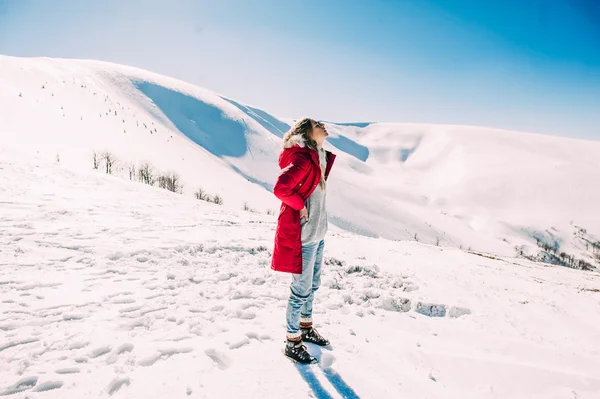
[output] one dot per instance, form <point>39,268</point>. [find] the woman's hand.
<point>304,214</point>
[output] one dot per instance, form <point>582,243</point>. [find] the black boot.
<point>311,335</point>
<point>296,351</point>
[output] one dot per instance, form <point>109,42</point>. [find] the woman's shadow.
<point>308,374</point>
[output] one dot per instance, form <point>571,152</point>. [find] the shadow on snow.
<point>272,124</point>
<point>205,124</point>
<point>308,374</point>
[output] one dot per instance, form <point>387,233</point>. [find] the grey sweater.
<point>314,230</point>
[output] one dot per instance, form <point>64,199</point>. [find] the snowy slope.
<point>111,288</point>
<point>467,187</point>
<point>482,188</point>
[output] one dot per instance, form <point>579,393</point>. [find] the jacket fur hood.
<point>290,140</point>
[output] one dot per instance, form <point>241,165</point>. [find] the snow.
<point>474,187</point>
<point>109,287</point>
<point>114,288</point>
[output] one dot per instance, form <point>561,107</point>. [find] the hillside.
<point>475,188</point>
<point>112,288</point>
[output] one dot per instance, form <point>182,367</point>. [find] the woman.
<point>301,228</point>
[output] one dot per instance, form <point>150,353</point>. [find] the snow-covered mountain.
<point>485,189</point>
<point>112,288</point>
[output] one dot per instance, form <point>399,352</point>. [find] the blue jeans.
<point>303,287</point>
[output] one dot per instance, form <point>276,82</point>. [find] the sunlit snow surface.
<point>478,188</point>
<point>111,287</point>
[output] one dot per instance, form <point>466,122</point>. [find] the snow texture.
<point>109,287</point>
<point>182,302</point>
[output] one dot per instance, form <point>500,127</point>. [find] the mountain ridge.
<point>461,186</point>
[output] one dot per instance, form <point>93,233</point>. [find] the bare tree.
<point>201,195</point>
<point>118,170</point>
<point>170,181</point>
<point>95,160</point>
<point>132,174</point>
<point>583,265</point>
<point>162,181</point>
<point>217,199</point>
<point>146,174</point>
<point>109,160</point>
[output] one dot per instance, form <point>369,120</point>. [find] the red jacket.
<point>300,175</point>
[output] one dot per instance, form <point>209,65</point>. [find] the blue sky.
<point>530,65</point>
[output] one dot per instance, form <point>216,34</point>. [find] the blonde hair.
<point>300,134</point>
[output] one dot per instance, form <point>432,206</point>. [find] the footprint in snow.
<point>17,343</point>
<point>238,344</point>
<point>253,335</point>
<point>124,348</point>
<point>259,338</point>
<point>117,384</point>
<point>244,315</point>
<point>103,350</point>
<point>78,345</point>
<point>162,355</point>
<point>114,356</point>
<point>120,294</point>
<point>221,360</point>
<point>73,317</point>
<point>258,281</point>
<point>123,301</point>
<point>48,386</point>
<point>22,385</point>
<point>130,309</point>
<point>70,370</point>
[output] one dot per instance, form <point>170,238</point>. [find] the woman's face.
<point>319,133</point>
